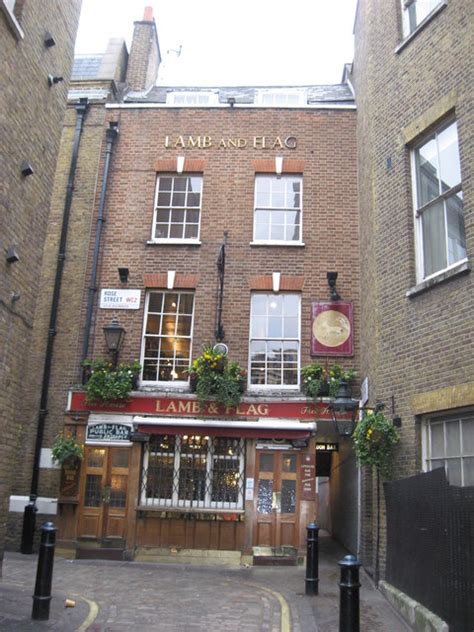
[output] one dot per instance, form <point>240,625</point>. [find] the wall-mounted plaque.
<point>332,328</point>
<point>119,299</point>
<point>108,432</point>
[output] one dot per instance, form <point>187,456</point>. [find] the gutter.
<point>111,134</point>
<point>30,509</point>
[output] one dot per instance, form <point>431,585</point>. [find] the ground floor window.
<point>449,443</point>
<point>193,471</point>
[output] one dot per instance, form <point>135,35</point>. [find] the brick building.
<point>37,44</point>
<point>168,182</point>
<point>412,76</point>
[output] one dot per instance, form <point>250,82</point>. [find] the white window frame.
<point>8,9</point>
<point>428,423</point>
<point>419,210</point>
<point>274,387</point>
<point>163,383</point>
<point>185,208</point>
<point>410,22</point>
<point>280,98</point>
<point>207,503</point>
<point>274,209</point>
<point>192,99</point>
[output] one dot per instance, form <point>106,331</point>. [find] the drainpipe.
<point>30,509</point>
<point>111,134</point>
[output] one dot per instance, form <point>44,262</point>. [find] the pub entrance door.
<point>103,495</point>
<point>277,499</point>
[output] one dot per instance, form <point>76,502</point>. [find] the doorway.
<point>277,499</point>
<point>103,495</point>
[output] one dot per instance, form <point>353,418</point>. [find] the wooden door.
<point>103,499</point>
<point>277,499</point>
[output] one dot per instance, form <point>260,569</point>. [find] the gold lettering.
<point>158,406</point>
<point>196,408</point>
<point>290,142</point>
<point>184,407</point>
<point>277,144</point>
<point>252,409</point>
<point>171,407</point>
<point>212,409</point>
<point>180,142</point>
<point>222,144</point>
<point>239,411</point>
<point>232,142</point>
<point>262,409</point>
<point>259,142</point>
<point>241,143</point>
<point>167,142</point>
<point>206,142</point>
<point>194,142</point>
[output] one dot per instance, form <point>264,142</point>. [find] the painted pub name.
<point>193,407</point>
<point>206,142</point>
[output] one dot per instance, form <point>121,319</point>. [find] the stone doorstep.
<point>417,616</point>
<point>188,556</point>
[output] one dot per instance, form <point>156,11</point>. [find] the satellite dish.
<point>221,348</point>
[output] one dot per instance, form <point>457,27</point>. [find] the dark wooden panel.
<point>202,535</point>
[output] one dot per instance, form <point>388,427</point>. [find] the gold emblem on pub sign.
<point>331,328</point>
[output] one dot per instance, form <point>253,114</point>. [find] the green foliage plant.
<point>108,385</point>
<point>66,448</point>
<point>217,379</point>
<point>315,376</point>
<point>374,439</point>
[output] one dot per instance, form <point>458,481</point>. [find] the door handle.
<point>106,495</point>
<point>276,501</point>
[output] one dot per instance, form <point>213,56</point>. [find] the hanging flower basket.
<point>213,378</point>
<point>374,439</point>
<point>107,385</point>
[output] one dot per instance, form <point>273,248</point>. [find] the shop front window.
<point>193,471</point>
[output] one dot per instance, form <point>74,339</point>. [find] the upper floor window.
<point>190,99</point>
<point>166,346</point>
<point>275,340</point>
<point>414,12</point>
<point>280,98</point>
<point>177,207</point>
<point>278,206</point>
<point>439,213</point>
<point>449,443</point>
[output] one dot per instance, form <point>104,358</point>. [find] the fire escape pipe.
<point>111,135</point>
<point>30,509</point>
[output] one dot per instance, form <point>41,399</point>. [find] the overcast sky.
<point>240,42</point>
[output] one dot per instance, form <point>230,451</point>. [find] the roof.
<point>246,95</point>
<point>86,67</point>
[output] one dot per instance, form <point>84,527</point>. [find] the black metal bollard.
<point>312,571</point>
<point>44,573</point>
<point>29,523</point>
<point>349,602</point>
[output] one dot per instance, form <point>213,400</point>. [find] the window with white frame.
<point>281,98</point>
<point>193,471</point>
<point>415,11</point>
<point>190,99</point>
<point>177,207</point>
<point>278,209</point>
<point>274,340</point>
<point>449,443</point>
<point>166,346</point>
<point>439,211</point>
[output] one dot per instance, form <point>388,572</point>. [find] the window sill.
<point>292,244</point>
<point>421,26</point>
<point>12,21</point>
<point>461,268</point>
<point>187,510</point>
<point>174,242</point>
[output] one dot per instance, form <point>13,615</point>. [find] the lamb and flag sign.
<point>332,328</point>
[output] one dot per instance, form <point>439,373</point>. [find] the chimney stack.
<point>145,58</point>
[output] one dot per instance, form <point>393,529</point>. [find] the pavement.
<point>130,596</point>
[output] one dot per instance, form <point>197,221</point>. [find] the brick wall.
<point>31,120</point>
<point>419,344</point>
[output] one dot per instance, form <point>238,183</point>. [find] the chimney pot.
<point>148,14</point>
